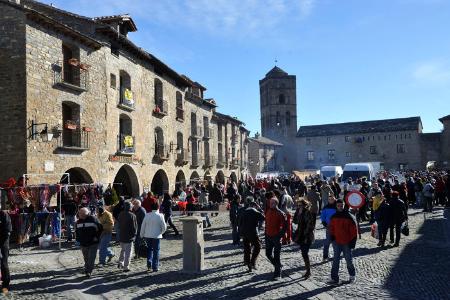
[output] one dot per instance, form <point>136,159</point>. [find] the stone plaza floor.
<point>418,269</point>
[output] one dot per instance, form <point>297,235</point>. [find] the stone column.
<point>193,245</point>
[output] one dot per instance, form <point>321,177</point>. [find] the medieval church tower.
<point>278,104</point>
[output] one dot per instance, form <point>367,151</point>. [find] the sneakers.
<point>351,279</point>
<point>88,275</point>
<point>110,257</point>
<point>395,245</point>
<point>126,270</point>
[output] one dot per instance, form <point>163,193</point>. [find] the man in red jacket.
<point>343,231</point>
<point>276,224</point>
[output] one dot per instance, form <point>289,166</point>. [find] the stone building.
<point>263,155</point>
<point>394,143</point>
<point>116,112</point>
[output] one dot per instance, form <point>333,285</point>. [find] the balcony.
<point>208,133</point>
<point>195,160</point>
<point>234,163</point>
<point>234,139</point>
<point>74,140</point>
<point>180,114</point>
<point>209,161</point>
<point>75,79</point>
<point>161,109</point>
<point>126,99</point>
<point>196,131</point>
<point>182,158</point>
<point>161,153</point>
<point>126,144</point>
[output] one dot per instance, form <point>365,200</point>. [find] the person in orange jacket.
<point>276,225</point>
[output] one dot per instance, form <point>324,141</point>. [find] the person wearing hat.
<point>127,234</point>
<point>106,220</point>
<point>343,233</point>
<point>88,231</point>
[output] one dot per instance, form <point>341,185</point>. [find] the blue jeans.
<point>153,253</point>
<point>345,249</point>
<point>104,249</point>
<point>326,243</point>
<point>70,223</point>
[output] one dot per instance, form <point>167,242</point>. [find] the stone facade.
<point>264,155</point>
<point>118,114</point>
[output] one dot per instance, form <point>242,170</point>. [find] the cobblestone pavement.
<point>418,269</point>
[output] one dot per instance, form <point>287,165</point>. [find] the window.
<point>348,154</point>
<point>71,57</point>
<point>126,95</point>
<point>401,148</point>
<point>331,154</point>
<point>281,99</point>
<point>288,118</point>
<point>347,139</point>
<point>410,135</point>
<point>114,49</point>
<point>112,81</point>
<point>310,155</point>
<point>308,141</point>
<point>179,106</point>
<point>159,93</point>
<point>328,141</point>
<point>373,149</point>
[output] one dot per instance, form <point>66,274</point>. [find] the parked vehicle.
<point>327,172</point>
<point>358,170</point>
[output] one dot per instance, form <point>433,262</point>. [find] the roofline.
<point>418,119</point>
<point>229,118</point>
<point>273,143</point>
<point>444,119</point>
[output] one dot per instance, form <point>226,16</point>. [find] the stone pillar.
<point>193,245</point>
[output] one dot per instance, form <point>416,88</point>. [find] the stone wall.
<point>430,147</point>
<point>13,133</point>
<point>445,144</point>
<point>357,148</point>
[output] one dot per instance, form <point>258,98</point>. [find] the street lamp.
<point>45,134</point>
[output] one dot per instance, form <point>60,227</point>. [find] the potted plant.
<point>71,125</point>
<point>87,129</point>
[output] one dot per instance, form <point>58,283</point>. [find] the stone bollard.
<point>193,245</point>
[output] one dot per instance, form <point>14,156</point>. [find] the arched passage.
<point>76,176</point>
<point>233,177</point>
<point>220,177</point>
<point>194,177</point>
<point>180,179</point>
<point>126,182</point>
<point>160,183</point>
<point>207,176</point>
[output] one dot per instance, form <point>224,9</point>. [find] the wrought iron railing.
<point>72,77</point>
<point>180,113</point>
<point>75,139</point>
<point>162,152</point>
<point>161,108</point>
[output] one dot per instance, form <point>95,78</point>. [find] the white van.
<point>358,170</point>
<point>327,172</point>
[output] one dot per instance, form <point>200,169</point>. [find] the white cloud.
<point>435,72</point>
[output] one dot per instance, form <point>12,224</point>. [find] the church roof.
<point>399,124</point>
<point>276,72</point>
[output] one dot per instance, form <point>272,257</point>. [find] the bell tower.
<point>278,106</point>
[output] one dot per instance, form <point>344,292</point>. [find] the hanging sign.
<point>355,199</point>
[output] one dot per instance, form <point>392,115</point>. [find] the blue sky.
<point>354,59</point>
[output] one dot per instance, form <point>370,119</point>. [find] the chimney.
<point>257,135</point>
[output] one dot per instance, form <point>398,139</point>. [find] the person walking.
<point>127,234</point>
<point>248,228</point>
<point>70,211</point>
<point>304,235</point>
<point>140,212</point>
<point>88,232</point>
<point>428,191</point>
<point>152,230</point>
<point>327,212</point>
<point>166,207</point>
<point>398,216</point>
<point>106,220</point>
<point>325,192</point>
<point>118,208</point>
<point>5,231</point>
<point>235,205</point>
<point>343,233</point>
<point>276,225</point>
<point>313,198</point>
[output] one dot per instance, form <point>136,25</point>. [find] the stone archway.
<point>126,182</point>
<point>207,176</point>
<point>220,177</point>
<point>160,183</point>
<point>76,176</point>
<point>233,177</point>
<point>180,179</point>
<point>194,177</point>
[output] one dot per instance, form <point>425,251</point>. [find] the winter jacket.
<point>343,228</point>
<point>327,212</point>
<point>153,226</point>
<point>428,190</point>
<point>306,222</point>
<point>107,221</point>
<point>88,231</point>
<point>326,192</point>
<point>166,206</point>
<point>314,198</point>
<point>140,215</point>
<point>5,227</point>
<point>118,208</point>
<point>248,222</point>
<point>128,227</point>
<point>276,223</point>
<point>398,210</point>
